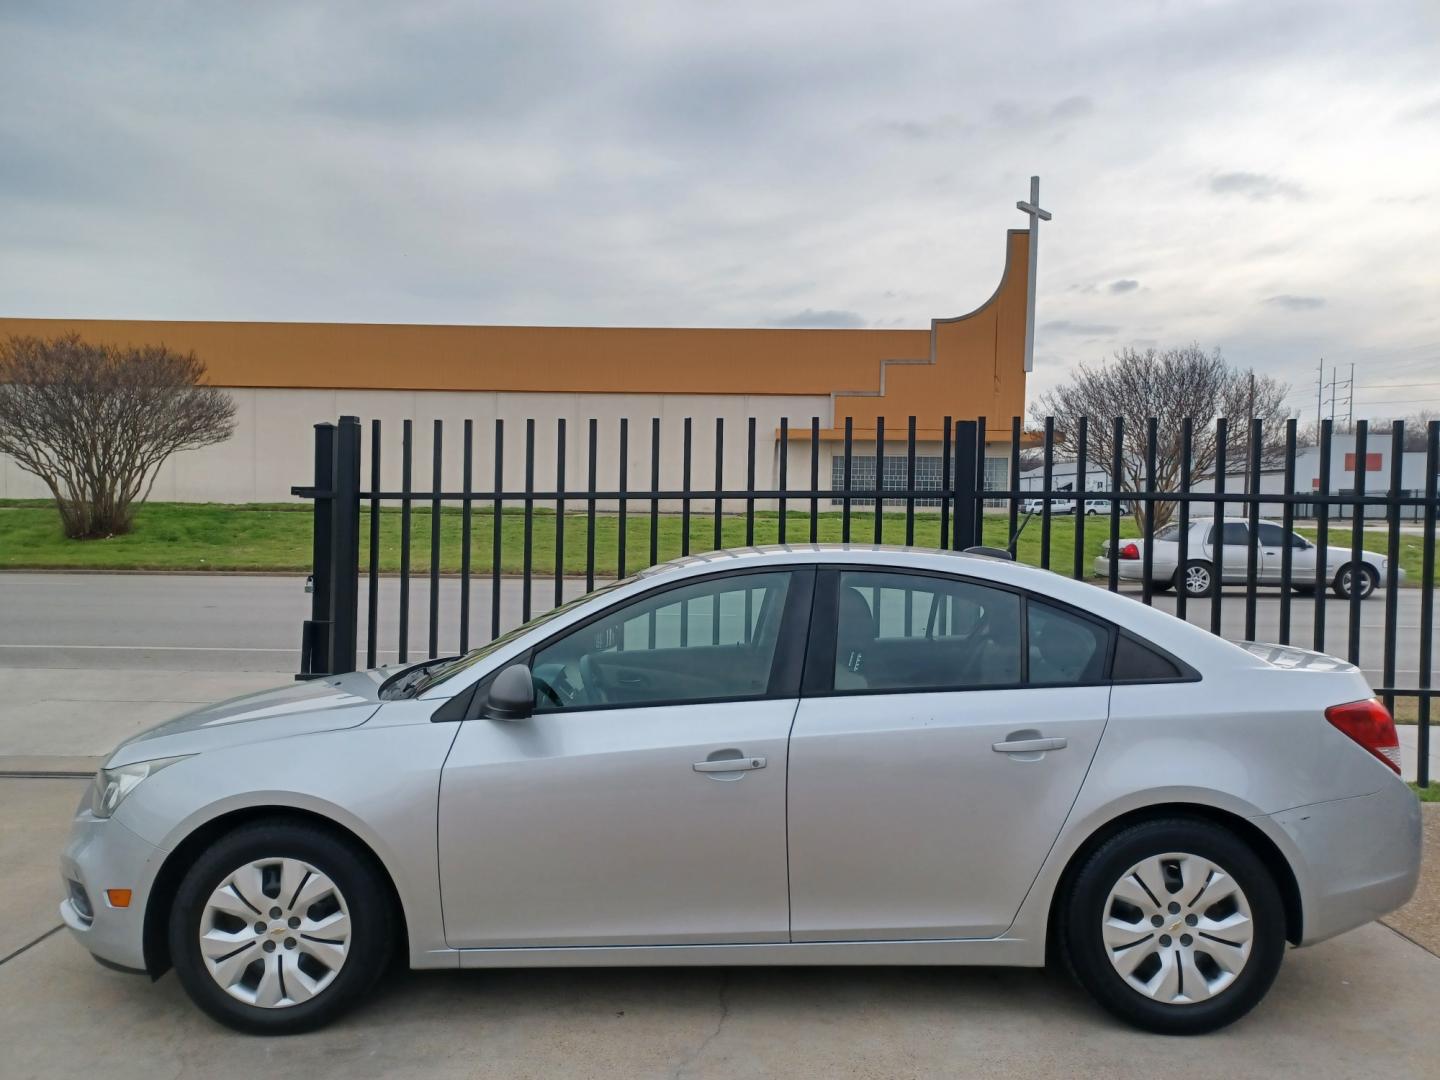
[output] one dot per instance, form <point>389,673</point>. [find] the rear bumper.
<point>102,854</point>
<point>1357,859</point>
<point>1125,569</point>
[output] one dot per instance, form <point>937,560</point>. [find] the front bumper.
<point>103,854</point>
<point>1358,859</point>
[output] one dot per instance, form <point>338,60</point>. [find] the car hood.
<point>298,709</point>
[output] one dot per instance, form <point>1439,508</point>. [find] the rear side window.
<point>1135,662</point>
<point>1064,648</point>
<point>1236,532</point>
<point>919,632</point>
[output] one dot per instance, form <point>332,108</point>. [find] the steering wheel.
<point>544,689</point>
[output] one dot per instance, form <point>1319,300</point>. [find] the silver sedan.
<point>1201,566</point>
<point>809,755</point>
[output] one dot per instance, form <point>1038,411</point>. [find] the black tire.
<point>1183,577</point>
<point>1303,590</point>
<point>1369,580</point>
<point>1083,909</point>
<point>354,874</point>
<point>1164,585</point>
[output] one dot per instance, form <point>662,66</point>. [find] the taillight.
<point>1370,724</point>
<point>1130,551</point>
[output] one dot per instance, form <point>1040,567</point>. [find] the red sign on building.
<point>1372,462</point>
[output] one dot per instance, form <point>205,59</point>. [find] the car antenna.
<point>1016,537</point>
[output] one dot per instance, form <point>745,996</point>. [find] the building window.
<point>929,471</point>
<point>997,477</point>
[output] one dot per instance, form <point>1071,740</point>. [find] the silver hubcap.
<point>1177,928</point>
<point>275,933</point>
<point>1197,579</point>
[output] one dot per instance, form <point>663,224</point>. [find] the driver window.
<point>712,640</point>
<point>1271,536</point>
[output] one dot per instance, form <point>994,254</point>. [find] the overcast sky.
<point>1259,176</point>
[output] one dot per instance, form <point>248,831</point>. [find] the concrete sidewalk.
<point>49,713</point>
<point>1360,1005</point>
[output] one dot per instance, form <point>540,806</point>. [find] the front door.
<point>934,761</point>
<point>644,802</point>
<point>1273,542</point>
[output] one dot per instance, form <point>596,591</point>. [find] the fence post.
<point>315,633</point>
<point>967,521</point>
<point>344,598</point>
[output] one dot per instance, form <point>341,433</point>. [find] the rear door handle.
<point>1029,746</point>
<point>740,764</point>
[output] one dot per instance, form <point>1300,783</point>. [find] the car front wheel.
<point>279,927</point>
<point>1346,580</point>
<point>1174,926</point>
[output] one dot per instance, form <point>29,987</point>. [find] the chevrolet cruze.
<point>807,755</point>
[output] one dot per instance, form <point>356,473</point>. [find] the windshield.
<point>449,670</point>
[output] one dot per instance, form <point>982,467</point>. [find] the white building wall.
<point>272,448</point>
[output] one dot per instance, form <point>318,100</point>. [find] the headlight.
<point>112,785</point>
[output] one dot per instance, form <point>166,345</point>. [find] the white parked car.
<point>1057,506</point>
<point>1198,574</point>
<point>802,755</point>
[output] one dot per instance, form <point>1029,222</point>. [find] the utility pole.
<point>1350,400</point>
<point>1249,430</point>
<point>1320,398</point>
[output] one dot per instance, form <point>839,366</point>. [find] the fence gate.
<point>490,546</point>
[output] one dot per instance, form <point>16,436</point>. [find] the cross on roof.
<point>1037,215</point>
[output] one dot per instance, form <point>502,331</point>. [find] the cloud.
<point>1124,285</point>
<point>829,320</point>
<point>559,162</point>
<point>1016,114</point>
<point>1295,303</point>
<point>1256,186</point>
<point>1422,113</point>
<point>1005,115</point>
<point>1080,329</point>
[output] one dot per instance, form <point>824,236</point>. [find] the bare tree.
<point>1169,385</point>
<point>95,422</point>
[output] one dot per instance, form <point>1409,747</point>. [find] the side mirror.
<point>512,695</point>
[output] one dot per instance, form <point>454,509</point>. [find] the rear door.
<point>939,744</point>
<point>1233,549</point>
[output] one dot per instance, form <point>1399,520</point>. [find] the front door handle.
<point>734,764</point>
<point>1029,746</point>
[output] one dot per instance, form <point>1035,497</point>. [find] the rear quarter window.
<point>1137,662</point>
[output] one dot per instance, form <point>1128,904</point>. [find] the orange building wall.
<point>965,367</point>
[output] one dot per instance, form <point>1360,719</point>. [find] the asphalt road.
<point>241,623</point>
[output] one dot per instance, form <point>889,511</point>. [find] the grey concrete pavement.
<point>1357,1006</point>
<point>34,820</point>
<point>1360,1005</point>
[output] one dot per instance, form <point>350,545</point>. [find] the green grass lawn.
<point>211,536</point>
<point>1427,794</point>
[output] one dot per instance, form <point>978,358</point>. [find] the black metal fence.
<point>538,531</point>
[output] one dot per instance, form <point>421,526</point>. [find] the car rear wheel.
<point>1303,590</point>
<point>1345,580</point>
<point>279,927</point>
<point>1196,578</point>
<point>1174,926</point>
